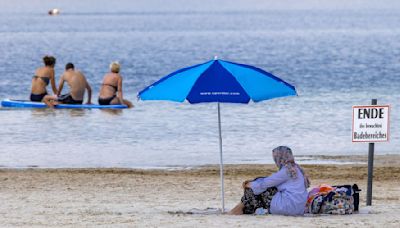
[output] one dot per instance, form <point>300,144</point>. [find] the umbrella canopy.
<point>218,81</point>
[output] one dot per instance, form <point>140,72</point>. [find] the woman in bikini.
<point>111,89</point>
<point>43,76</point>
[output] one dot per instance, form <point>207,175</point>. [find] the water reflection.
<point>77,112</point>
<point>49,112</point>
<point>43,112</point>
<point>112,112</point>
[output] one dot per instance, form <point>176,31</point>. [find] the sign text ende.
<point>370,113</point>
<point>370,123</point>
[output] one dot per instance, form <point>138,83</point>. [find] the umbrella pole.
<point>221,165</point>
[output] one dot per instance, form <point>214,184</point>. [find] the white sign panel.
<point>371,123</point>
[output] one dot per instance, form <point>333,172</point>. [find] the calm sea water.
<point>337,55</point>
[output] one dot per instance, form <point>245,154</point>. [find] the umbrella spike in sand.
<point>218,81</point>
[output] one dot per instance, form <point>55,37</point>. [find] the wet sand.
<point>145,198</point>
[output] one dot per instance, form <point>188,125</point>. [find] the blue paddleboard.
<point>29,104</point>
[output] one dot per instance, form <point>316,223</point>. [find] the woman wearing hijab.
<point>283,193</point>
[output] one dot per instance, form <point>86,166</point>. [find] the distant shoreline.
<point>306,160</point>
<point>386,167</point>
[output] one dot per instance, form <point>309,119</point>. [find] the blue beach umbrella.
<point>218,81</point>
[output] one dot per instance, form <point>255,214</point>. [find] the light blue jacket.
<point>292,194</point>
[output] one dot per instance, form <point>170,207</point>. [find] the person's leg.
<point>265,198</point>
<point>237,210</point>
<point>247,205</point>
<point>128,103</point>
<point>50,100</point>
<point>115,101</point>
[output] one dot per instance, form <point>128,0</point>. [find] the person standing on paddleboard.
<point>77,84</point>
<point>43,76</point>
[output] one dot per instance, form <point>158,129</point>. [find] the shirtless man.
<point>77,84</point>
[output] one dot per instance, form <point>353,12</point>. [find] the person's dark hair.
<point>49,60</point>
<point>69,66</point>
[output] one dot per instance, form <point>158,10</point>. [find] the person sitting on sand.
<point>43,76</point>
<point>283,193</point>
<point>111,89</point>
<point>77,84</point>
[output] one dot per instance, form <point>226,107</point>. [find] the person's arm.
<point>261,184</point>
<point>60,85</point>
<point>89,90</point>
<point>120,94</point>
<point>53,82</point>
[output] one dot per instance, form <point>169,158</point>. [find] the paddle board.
<point>29,104</point>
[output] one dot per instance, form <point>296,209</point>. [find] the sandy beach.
<point>154,198</point>
<point>209,81</point>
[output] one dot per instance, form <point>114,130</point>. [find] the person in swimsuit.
<point>77,84</point>
<point>43,76</point>
<point>111,89</point>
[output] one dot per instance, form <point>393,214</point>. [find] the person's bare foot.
<point>237,210</point>
<point>128,103</point>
